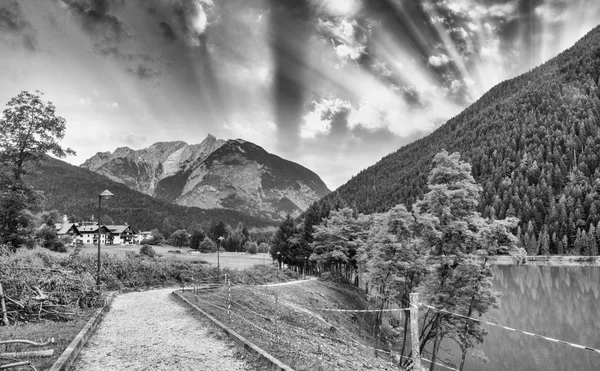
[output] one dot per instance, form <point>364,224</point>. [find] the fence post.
<point>229,300</point>
<point>3,307</point>
<point>414,330</point>
<point>276,322</point>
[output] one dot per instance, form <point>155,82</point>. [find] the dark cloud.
<point>144,72</point>
<point>290,34</point>
<point>97,21</point>
<point>167,32</point>
<point>14,24</point>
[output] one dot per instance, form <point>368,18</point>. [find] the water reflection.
<point>559,302</point>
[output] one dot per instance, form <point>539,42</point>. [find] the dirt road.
<point>152,331</point>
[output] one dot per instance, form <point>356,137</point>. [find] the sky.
<point>334,85</point>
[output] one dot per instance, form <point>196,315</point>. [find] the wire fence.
<point>244,312</point>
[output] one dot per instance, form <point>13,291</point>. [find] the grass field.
<point>232,260</point>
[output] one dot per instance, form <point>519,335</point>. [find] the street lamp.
<point>106,194</point>
<point>279,259</point>
<point>218,252</point>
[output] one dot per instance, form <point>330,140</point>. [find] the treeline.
<point>439,249</point>
<point>534,146</point>
<point>74,192</point>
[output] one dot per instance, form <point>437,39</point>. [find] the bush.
<point>263,248</point>
<point>208,245</point>
<point>48,239</point>
<point>250,247</point>
<point>180,238</point>
<point>147,250</point>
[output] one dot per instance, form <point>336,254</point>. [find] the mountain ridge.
<point>233,174</point>
<point>533,143</point>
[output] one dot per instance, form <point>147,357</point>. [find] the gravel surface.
<point>150,330</point>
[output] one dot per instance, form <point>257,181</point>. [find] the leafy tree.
<point>393,262</point>
<point>196,238</point>
<point>453,228</point>
<point>156,238</point>
<point>263,248</point>
<point>48,239</point>
<point>208,245</point>
<point>180,238</point>
<point>29,129</point>
<point>217,230</point>
<point>280,242</point>
<point>251,247</point>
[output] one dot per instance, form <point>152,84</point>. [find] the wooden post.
<point>229,300</point>
<point>414,330</point>
<point>276,322</point>
<point>3,303</point>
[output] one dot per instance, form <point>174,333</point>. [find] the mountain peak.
<point>233,174</point>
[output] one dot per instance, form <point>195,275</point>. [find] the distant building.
<point>121,235</point>
<point>89,234</point>
<point>68,230</point>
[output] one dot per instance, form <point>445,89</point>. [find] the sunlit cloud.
<point>344,80</point>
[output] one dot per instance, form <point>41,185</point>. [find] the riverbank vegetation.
<point>440,248</point>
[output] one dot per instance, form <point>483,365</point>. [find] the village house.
<point>121,235</point>
<point>89,234</point>
<point>68,230</point>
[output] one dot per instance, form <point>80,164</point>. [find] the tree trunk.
<point>436,342</point>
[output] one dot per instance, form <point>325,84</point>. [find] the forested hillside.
<point>74,192</point>
<point>534,144</point>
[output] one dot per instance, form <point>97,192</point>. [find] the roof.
<point>63,228</point>
<point>119,228</point>
<point>91,228</point>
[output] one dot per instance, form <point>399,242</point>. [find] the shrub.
<point>180,238</point>
<point>250,247</point>
<point>263,248</point>
<point>208,245</point>
<point>48,239</point>
<point>147,250</point>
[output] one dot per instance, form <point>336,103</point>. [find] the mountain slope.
<point>534,143</point>
<point>234,174</point>
<point>74,191</point>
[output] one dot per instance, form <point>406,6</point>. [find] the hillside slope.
<point>74,191</point>
<point>233,174</point>
<point>534,143</point>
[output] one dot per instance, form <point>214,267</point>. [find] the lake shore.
<point>549,260</point>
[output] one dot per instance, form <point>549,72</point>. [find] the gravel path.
<point>150,330</point>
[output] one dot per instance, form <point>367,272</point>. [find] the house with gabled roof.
<point>67,229</point>
<point>89,234</point>
<point>121,234</point>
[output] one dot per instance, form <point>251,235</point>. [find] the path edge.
<point>70,354</point>
<point>275,364</point>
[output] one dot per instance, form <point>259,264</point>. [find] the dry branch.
<point>32,353</point>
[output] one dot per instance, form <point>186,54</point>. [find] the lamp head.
<point>106,194</point>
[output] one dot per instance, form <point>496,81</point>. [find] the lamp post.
<point>279,259</point>
<point>218,252</point>
<point>106,194</point>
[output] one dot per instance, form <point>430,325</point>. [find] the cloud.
<point>349,42</point>
<point>14,25</point>
<point>133,140</point>
<point>144,72</point>
<point>167,32</point>
<point>319,120</point>
<point>439,60</point>
<point>85,101</point>
<point>343,8</point>
<point>95,18</point>
<point>112,106</point>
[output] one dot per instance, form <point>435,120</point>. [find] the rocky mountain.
<point>74,191</point>
<point>233,174</point>
<point>534,145</point>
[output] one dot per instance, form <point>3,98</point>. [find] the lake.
<point>558,302</point>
